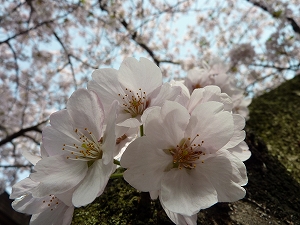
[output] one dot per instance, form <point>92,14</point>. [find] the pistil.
<point>134,103</point>
<point>186,153</point>
<point>89,150</point>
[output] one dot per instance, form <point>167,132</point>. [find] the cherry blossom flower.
<point>137,85</point>
<point>236,145</point>
<point>215,73</point>
<point>240,105</point>
<point>182,157</point>
<point>198,78</point>
<point>80,150</point>
<point>209,74</point>
<point>184,95</point>
<point>206,94</point>
<point>48,210</point>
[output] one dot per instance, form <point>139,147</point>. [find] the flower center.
<point>186,153</point>
<point>89,150</point>
<point>196,86</point>
<point>51,202</point>
<point>134,103</point>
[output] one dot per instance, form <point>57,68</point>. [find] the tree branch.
<point>22,133</point>
<point>292,67</point>
<point>135,36</point>
<point>15,166</point>
<point>293,23</point>
<point>46,22</point>
<point>16,62</point>
<point>31,138</point>
<point>68,56</point>
<point>83,62</point>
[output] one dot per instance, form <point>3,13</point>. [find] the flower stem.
<point>142,130</point>
<point>116,175</point>
<point>117,162</point>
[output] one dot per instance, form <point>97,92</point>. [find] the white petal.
<point>186,192</point>
<point>106,85</point>
<point>44,153</point>
<point>30,205</point>
<point>86,111</point>
<point>147,111</point>
<point>144,74</point>
<point>179,219</point>
<point>198,77</point>
<point>213,93</point>
<point>214,126</point>
<point>66,197</point>
<point>239,134</point>
<point>62,121</point>
<point>166,128</point>
<point>57,174</point>
<point>154,194</point>
<point>184,95</point>
<point>195,99</point>
<point>93,183</point>
<point>124,136</point>
<point>227,174</point>
<point>109,136</point>
<point>33,159</point>
<point>241,151</point>
<point>60,132</point>
<point>130,122</point>
<point>145,164</point>
<point>239,122</point>
<point>53,140</point>
<point>246,102</point>
<point>51,217</point>
<point>22,187</point>
<point>163,93</point>
<point>68,216</point>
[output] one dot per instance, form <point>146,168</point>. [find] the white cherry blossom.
<point>80,150</point>
<point>48,210</point>
<point>208,93</point>
<point>236,145</point>
<point>182,156</point>
<point>215,73</point>
<point>137,85</point>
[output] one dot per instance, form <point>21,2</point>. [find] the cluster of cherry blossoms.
<point>183,142</point>
<point>215,73</point>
